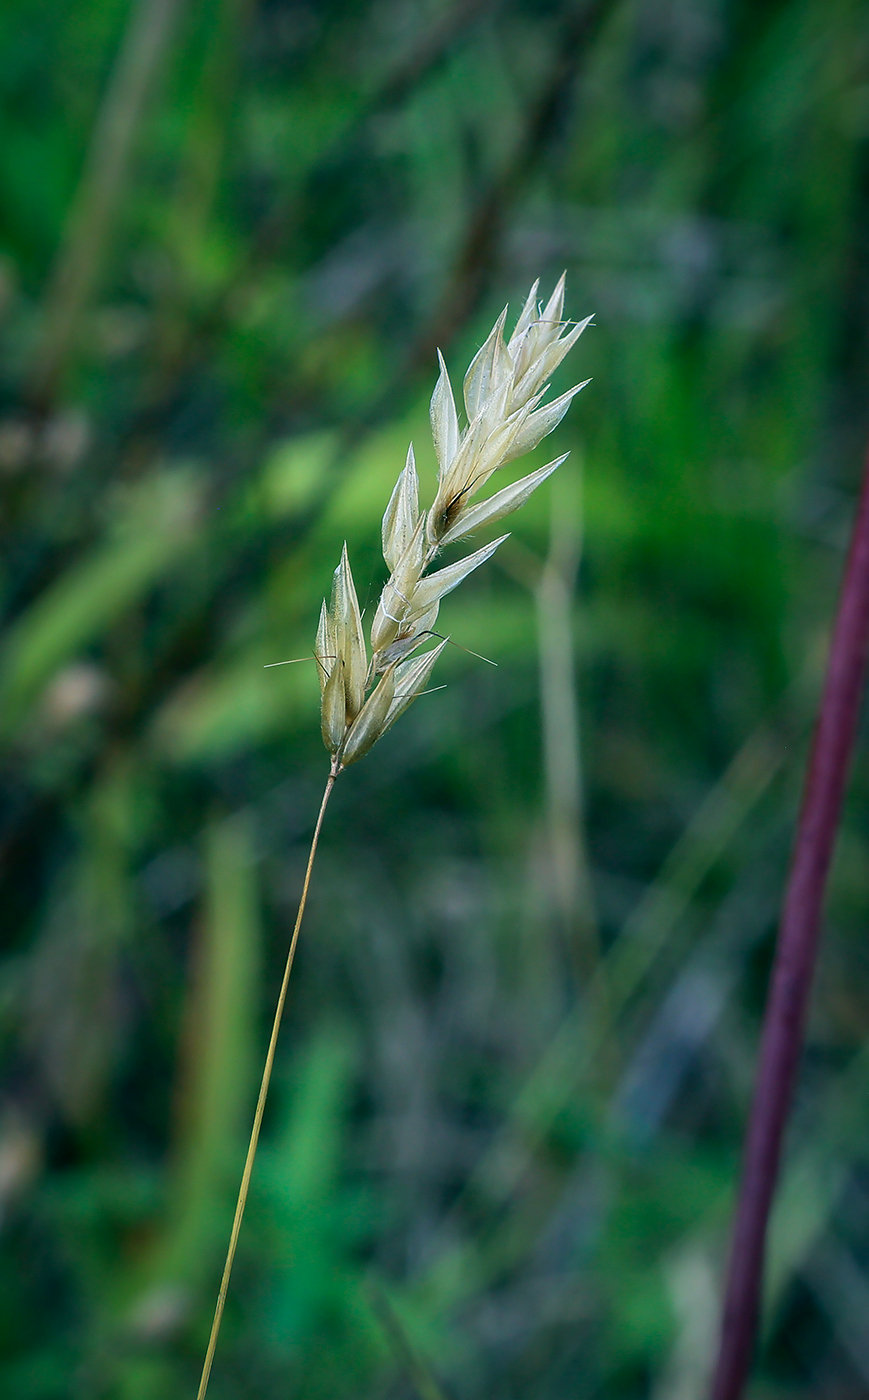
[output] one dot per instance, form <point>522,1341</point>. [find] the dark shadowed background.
<point>499,1158</point>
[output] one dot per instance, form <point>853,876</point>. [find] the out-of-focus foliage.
<point>500,1152</point>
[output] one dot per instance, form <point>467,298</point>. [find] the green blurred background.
<point>500,1153</point>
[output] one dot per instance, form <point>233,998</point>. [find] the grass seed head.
<point>503,391</point>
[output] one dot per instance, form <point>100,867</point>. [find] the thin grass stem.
<point>261,1101</point>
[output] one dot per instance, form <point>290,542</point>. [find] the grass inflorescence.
<point>363,695</point>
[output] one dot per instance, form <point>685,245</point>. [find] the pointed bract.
<point>486,366</point>
<point>349,641</point>
<point>444,420</point>
<point>394,603</point>
<point>548,360</point>
<point>436,586</point>
<point>324,646</point>
<point>502,503</point>
<point>370,723</point>
<point>499,448</point>
<point>541,423</point>
<point>555,305</point>
<point>411,678</point>
<point>453,487</point>
<point>402,513</point>
<point>526,316</point>
<point>333,710</point>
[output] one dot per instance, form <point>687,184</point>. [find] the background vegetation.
<point>499,1159</point>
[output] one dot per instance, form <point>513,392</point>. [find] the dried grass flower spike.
<point>503,393</point>
<point>362,693</point>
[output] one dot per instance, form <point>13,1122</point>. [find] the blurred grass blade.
<point>562,763</point>
<point>154,531</point>
<point>216,1069</point>
<point>414,1365</point>
<point>75,1017</point>
<point>103,185</point>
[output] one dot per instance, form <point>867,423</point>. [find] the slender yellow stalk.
<point>261,1101</point>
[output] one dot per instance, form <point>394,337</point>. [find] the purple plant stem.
<point>784,1019</point>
